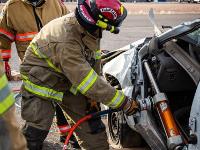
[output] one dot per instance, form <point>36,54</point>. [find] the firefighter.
<point>62,65</point>
<point>21,20</point>
<point>10,136</point>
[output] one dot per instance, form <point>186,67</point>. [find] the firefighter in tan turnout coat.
<point>20,21</point>
<point>10,136</point>
<point>62,65</point>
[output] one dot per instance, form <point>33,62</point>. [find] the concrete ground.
<point>160,8</point>
<point>135,27</point>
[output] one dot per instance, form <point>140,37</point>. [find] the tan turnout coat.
<point>18,23</point>
<point>65,57</point>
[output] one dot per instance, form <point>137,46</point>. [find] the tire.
<point>120,134</point>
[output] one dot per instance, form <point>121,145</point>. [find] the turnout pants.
<point>39,112</point>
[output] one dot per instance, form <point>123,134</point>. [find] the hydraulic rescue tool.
<point>86,118</point>
<point>174,139</point>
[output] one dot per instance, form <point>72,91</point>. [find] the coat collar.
<point>28,2</point>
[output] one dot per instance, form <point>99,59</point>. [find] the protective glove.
<point>7,69</point>
<point>131,107</point>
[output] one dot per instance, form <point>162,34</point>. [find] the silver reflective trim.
<point>22,37</point>
<point>4,92</point>
<point>117,100</point>
<point>41,92</point>
<point>5,54</point>
<point>88,82</point>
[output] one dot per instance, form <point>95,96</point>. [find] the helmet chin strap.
<point>107,27</point>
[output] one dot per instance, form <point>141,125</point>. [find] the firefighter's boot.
<point>35,137</point>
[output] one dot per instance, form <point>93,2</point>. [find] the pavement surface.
<point>160,8</point>
<point>135,27</point>
<point>143,8</point>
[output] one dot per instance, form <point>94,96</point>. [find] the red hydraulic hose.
<point>83,120</point>
<point>7,70</point>
<point>74,127</point>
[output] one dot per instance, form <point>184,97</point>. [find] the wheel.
<point>120,134</point>
<point>114,127</point>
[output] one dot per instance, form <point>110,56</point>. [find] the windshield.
<point>195,37</point>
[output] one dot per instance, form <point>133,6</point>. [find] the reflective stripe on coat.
<point>66,48</point>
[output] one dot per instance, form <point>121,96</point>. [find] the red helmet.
<point>106,14</point>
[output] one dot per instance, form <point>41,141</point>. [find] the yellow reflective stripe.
<point>122,9</point>
<point>3,81</point>
<point>116,100</point>
<point>87,82</point>
<point>24,77</point>
<point>112,29</point>
<point>52,66</point>
<point>101,24</point>
<point>100,16</point>
<point>105,20</point>
<point>6,97</point>
<point>98,54</point>
<point>73,90</point>
<point>42,91</point>
<point>38,53</point>
<point>6,103</point>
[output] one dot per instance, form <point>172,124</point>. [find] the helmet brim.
<point>120,19</point>
<point>85,15</point>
